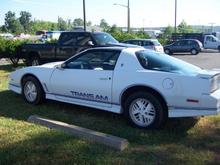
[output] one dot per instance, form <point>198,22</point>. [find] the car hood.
<point>51,65</point>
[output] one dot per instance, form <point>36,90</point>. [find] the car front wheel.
<point>32,91</point>
<point>194,52</point>
<point>145,110</point>
<point>167,51</point>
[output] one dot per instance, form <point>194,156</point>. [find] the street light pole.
<point>175,14</point>
<point>84,14</point>
<point>129,18</point>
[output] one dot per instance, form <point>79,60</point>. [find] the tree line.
<point>25,24</point>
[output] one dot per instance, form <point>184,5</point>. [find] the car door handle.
<point>105,78</point>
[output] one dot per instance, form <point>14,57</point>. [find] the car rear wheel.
<point>194,51</point>
<point>144,110</point>
<point>32,91</point>
<point>167,51</point>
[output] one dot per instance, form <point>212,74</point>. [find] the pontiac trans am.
<point>147,86</point>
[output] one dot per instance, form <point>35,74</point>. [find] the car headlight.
<point>215,81</point>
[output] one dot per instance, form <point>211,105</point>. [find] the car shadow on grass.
<point>156,146</point>
<point>13,106</point>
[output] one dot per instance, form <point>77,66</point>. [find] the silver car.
<point>152,44</point>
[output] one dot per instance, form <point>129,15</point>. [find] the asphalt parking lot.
<point>207,60</point>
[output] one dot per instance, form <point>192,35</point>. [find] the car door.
<point>179,46</point>
<point>86,78</point>
<point>210,42</point>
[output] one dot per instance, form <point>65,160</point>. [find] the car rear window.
<point>156,43</point>
<point>161,62</point>
<point>104,38</point>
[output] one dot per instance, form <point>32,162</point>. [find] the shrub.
<point>122,36</point>
<point>10,48</point>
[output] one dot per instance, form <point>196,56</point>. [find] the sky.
<point>144,13</point>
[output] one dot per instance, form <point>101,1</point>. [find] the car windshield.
<point>104,38</point>
<point>162,62</point>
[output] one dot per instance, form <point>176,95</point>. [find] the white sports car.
<point>148,87</point>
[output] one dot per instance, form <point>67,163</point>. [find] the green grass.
<point>181,141</point>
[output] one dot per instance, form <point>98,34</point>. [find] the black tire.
<point>160,112</point>
<point>194,51</point>
<point>219,48</point>
<point>40,95</point>
<point>34,61</point>
<point>167,51</point>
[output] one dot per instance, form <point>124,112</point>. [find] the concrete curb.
<point>87,134</point>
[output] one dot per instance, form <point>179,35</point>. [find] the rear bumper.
<point>210,106</point>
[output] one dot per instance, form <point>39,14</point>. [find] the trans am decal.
<point>89,96</point>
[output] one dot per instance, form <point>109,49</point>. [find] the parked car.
<point>209,41</point>
<point>182,46</point>
<point>69,43</point>
<point>157,87</point>
<point>153,44</point>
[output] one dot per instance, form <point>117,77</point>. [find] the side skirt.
<point>92,104</point>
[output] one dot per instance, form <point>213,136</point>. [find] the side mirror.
<point>90,43</point>
<point>61,66</point>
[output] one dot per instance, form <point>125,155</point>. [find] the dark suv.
<point>181,46</point>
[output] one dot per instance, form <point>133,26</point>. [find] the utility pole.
<point>129,28</point>
<point>84,14</point>
<point>129,18</point>
<point>175,15</point>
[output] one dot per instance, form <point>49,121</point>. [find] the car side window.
<point>180,43</point>
<point>94,60</point>
<point>210,39</point>
<point>177,43</point>
<point>68,39</point>
<point>84,39</point>
<point>190,43</point>
<point>135,42</point>
<point>148,43</point>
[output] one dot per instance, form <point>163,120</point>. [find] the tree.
<point>62,24</point>
<point>89,23</point>
<point>115,29</point>
<point>165,38</point>
<point>104,25</point>
<point>168,31</point>
<point>184,28</point>
<point>9,19</point>
<point>25,19</point>
<point>78,22</point>
<point>12,24</point>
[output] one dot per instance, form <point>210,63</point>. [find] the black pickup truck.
<point>68,45</point>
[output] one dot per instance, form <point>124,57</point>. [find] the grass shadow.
<point>106,122</point>
<point>10,68</point>
<point>157,146</point>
